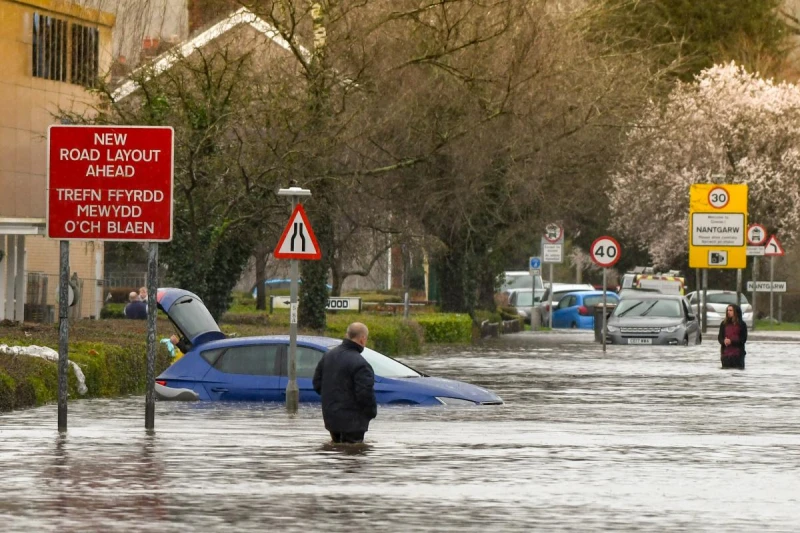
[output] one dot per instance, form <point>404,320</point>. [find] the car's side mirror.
<point>690,318</point>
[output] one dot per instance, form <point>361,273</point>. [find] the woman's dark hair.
<point>731,319</point>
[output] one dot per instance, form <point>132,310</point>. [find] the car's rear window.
<point>726,298</point>
<point>591,301</point>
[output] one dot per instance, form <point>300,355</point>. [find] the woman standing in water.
<point>732,336</point>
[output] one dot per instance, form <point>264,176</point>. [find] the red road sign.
<point>605,251</point>
<point>773,247</point>
<point>109,183</point>
<point>298,240</point>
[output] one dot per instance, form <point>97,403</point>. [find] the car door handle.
<point>219,389</point>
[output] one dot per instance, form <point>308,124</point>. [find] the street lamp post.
<point>292,390</point>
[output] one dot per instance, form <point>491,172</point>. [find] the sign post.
<point>109,183</point>
<point>756,237</point>
<point>772,249</point>
<point>605,253</point>
<point>535,267</point>
<point>717,227</point>
<point>552,252</point>
<point>297,242</point>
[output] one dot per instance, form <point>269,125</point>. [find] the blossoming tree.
<point>727,126</point>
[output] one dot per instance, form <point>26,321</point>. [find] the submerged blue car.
<point>255,368</point>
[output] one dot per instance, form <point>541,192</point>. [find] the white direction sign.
<point>605,251</point>
<point>552,253</point>
<point>765,286</point>
<point>755,251</point>
<point>756,235</point>
<point>773,247</point>
<point>718,229</point>
<point>298,240</point>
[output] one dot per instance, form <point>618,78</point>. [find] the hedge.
<point>110,370</point>
<point>446,328</point>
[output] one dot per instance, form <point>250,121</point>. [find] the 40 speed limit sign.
<point>605,251</point>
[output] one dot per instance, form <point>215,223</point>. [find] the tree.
<point>224,189</point>
<point>727,126</point>
<point>687,36</point>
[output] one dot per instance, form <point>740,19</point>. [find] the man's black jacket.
<point>346,383</point>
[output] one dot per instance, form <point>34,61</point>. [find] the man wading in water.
<point>346,383</point>
<point>732,336</point>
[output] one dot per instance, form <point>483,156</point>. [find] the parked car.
<point>653,319</point>
<point>553,297</point>
<point>519,279</point>
<point>716,304</point>
<point>623,293</point>
<point>576,309</point>
<point>255,368</point>
<point>521,300</point>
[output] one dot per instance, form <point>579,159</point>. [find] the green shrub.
<point>113,310</point>
<point>109,369</point>
<point>482,314</point>
<point>446,328</point>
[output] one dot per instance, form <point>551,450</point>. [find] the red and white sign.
<point>756,234</point>
<point>718,197</point>
<point>605,251</point>
<point>109,183</point>
<point>553,233</point>
<point>773,246</point>
<point>298,240</point>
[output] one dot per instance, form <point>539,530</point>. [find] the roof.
<point>165,61</point>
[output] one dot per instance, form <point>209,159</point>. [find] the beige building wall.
<point>27,107</point>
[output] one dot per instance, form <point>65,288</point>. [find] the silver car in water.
<point>652,318</point>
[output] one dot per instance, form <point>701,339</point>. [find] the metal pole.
<point>603,330</point>
<point>63,334</point>
<point>780,307</point>
<point>533,303</point>
<point>550,307</point>
<point>771,281</point>
<point>152,288</point>
<point>755,280</point>
<point>705,299</point>
<point>292,391</point>
<point>738,286</point>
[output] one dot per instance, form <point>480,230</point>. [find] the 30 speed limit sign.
<point>605,251</point>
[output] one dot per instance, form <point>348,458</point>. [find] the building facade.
<point>51,51</point>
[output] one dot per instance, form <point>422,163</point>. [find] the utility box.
<point>598,319</point>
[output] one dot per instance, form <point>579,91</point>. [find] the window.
<point>49,48</point>
<point>307,360</point>
<point>85,51</point>
<point>54,40</point>
<point>254,360</point>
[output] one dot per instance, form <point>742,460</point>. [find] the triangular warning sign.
<point>773,246</point>
<point>298,240</point>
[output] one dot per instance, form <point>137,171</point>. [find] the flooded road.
<point>638,439</point>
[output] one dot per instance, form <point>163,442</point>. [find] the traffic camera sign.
<point>109,183</point>
<point>718,224</point>
<point>605,251</point>
<point>298,240</point>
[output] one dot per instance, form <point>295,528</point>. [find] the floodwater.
<point>638,439</point>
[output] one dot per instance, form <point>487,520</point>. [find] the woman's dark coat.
<point>742,333</point>
<point>346,383</point>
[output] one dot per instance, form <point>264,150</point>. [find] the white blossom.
<point>728,126</point>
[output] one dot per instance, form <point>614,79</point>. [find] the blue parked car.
<point>255,368</point>
<point>576,309</point>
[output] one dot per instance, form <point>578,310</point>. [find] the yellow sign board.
<point>718,226</point>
